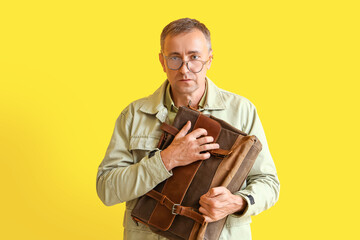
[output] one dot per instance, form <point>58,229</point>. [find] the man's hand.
<point>188,148</point>
<point>219,202</point>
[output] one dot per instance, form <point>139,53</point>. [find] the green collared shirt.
<point>172,109</point>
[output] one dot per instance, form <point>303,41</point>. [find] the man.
<point>133,166</point>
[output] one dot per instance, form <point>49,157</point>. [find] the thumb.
<point>215,191</point>
<point>184,130</point>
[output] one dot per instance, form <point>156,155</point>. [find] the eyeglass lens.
<point>193,65</point>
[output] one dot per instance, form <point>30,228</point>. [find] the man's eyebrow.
<point>189,52</point>
<point>194,51</point>
<point>174,53</point>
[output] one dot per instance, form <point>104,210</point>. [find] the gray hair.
<point>184,25</point>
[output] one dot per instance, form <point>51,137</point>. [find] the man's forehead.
<point>188,42</point>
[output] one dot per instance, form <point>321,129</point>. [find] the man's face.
<point>187,46</point>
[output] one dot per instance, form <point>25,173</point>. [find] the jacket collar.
<point>214,99</point>
<point>154,104</point>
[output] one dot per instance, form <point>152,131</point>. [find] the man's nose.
<point>184,69</point>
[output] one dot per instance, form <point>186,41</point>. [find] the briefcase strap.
<point>169,129</point>
<point>176,209</point>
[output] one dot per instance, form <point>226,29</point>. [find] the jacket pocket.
<point>140,146</point>
<point>130,225</point>
<point>146,143</point>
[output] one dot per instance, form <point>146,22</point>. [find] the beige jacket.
<point>127,172</point>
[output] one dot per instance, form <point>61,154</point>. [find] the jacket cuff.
<point>156,168</point>
<point>250,204</point>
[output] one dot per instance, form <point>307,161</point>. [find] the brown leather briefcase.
<point>171,208</point>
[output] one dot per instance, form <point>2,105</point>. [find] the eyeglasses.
<point>194,65</point>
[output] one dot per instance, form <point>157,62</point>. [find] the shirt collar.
<point>170,105</point>
<point>168,102</point>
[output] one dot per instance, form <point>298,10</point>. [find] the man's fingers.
<point>208,219</point>
<point>184,130</point>
<point>215,191</point>
<point>212,193</point>
<point>204,140</point>
<point>206,214</point>
<point>204,156</point>
<point>204,202</point>
<point>198,133</point>
<point>207,147</point>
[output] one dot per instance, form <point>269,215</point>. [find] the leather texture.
<point>171,208</point>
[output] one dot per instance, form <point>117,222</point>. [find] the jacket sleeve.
<point>263,186</point>
<point>120,176</point>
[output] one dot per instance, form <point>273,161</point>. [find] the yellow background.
<point>68,68</point>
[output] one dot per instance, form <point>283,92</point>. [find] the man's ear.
<point>162,61</point>
<point>210,59</point>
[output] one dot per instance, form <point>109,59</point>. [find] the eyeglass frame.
<point>186,63</point>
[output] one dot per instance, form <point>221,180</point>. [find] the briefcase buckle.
<point>174,208</point>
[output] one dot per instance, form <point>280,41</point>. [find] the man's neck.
<point>184,99</point>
